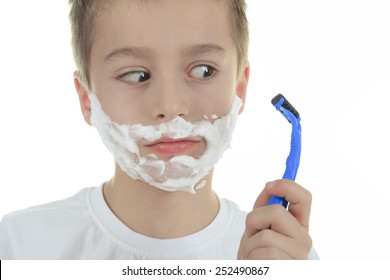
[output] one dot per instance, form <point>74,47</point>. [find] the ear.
<point>242,85</point>
<point>82,91</point>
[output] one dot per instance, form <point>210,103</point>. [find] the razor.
<point>292,163</point>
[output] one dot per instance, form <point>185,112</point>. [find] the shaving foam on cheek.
<point>180,173</point>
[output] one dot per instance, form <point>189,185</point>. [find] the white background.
<point>331,59</point>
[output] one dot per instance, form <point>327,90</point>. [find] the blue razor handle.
<point>292,163</point>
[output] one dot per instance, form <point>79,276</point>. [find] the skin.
<point>146,67</point>
<point>274,233</point>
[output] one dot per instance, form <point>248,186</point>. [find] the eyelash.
<point>144,76</point>
<point>210,69</point>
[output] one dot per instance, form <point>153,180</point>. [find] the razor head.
<point>280,101</point>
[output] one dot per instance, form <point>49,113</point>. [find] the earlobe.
<point>242,85</point>
<point>82,91</point>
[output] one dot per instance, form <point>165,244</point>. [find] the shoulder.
<point>228,239</point>
<point>53,209</point>
<point>237,215</point>
<point>49,224</point>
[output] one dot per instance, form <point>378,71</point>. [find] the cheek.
<point>122,106</point>
<point>122,109</point>
<point>220,101</point>
<point>217,103</point>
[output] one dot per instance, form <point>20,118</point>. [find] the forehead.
<point>162,24</point>
<point>106,7</point>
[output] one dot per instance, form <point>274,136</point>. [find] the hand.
<point>272,232</point>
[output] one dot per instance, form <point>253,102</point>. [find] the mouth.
<point>168,146</point>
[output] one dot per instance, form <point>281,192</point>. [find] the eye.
<point>135,77</point>
<point>202,72</point>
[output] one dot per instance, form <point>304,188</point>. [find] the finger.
<point>244,239</point>
<point>269,253</point>
<point>268,238</point>
<point>274,217</point>
<point>298,197</point>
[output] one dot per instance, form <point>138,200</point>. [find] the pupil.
<point>206,72</point>
<point>143,77</point>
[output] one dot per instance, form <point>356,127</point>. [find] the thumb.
<point>265,195</point>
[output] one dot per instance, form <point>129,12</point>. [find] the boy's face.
<point>154,60</point>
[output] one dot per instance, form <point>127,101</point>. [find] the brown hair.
<point>83,12</point>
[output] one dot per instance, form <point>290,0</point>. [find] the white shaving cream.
<point>179,173</point>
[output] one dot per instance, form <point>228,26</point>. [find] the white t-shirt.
<point>83,227</point>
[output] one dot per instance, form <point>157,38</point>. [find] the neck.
<point>157,213</point>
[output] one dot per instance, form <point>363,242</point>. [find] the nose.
<point>170,102</point>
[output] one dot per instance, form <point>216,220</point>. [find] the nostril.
<point>162,116</point>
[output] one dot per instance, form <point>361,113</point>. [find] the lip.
<point>169,146</point>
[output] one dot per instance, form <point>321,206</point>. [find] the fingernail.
<point>270,185</point>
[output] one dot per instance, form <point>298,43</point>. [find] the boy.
<point>163,83</point>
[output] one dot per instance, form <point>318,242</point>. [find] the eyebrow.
<point>139,52</point>
<point>129,51</point>
<point>196,50</point>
